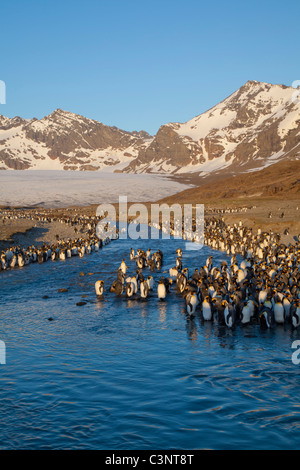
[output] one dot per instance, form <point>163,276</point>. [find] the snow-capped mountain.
<point>256,126</point>
<point>66,141</point>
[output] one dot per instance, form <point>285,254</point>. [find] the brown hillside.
<point>281,180</point>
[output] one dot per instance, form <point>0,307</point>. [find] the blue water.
<point>136,374</point>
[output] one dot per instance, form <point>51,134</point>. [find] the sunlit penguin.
<point>99,287</point>
<point>135,283</point>
<point>129,289</point>
<point>13,261</point>
<point>215,272</point>
<point>161,290</point>
<point>81,251</point>
<point>21,261</point>
<point>179,252</point>
<point>241,275</point>
<point>123,266</point>
<point>131,255</point>
<point>4,262</point>
<point>173,273</point>
<point>206,309</point>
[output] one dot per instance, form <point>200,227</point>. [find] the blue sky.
<point>140,64</point>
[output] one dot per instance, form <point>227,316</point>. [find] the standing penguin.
<point>191,303</point>
<point>123,266</point>
<point>266,317</point>
<point>229,314</point>
<point>150,281</point>
<point>295,313</point>
<point>140,262</point>
<point>279,312</point>
<point>129,289</point>
<point>144,288</point>
<point>135,283</point>
<point>209,263</point>
<point>179,263</point>
<point>99,287</point>
<point>206,309</point>
<point>161,290</point>
<point>181,283</point>
<point>245,315</point>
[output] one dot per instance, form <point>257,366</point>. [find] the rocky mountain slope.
<point>66,141</point>
<point>256,126</point>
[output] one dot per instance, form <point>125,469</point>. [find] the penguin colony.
<point>262,289</point>
<point>86,243</point>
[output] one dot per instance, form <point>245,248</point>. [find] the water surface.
<point>136,374</point>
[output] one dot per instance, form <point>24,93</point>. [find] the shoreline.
<point>25,232</point>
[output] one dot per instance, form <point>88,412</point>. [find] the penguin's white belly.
<point>279,313</point>
<point>161,291</point>
<point>246,314</point>
<point>206,311</point>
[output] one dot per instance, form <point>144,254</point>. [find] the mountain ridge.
<point>254,127</point>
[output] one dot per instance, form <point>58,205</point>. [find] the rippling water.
<point>136,374</point>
